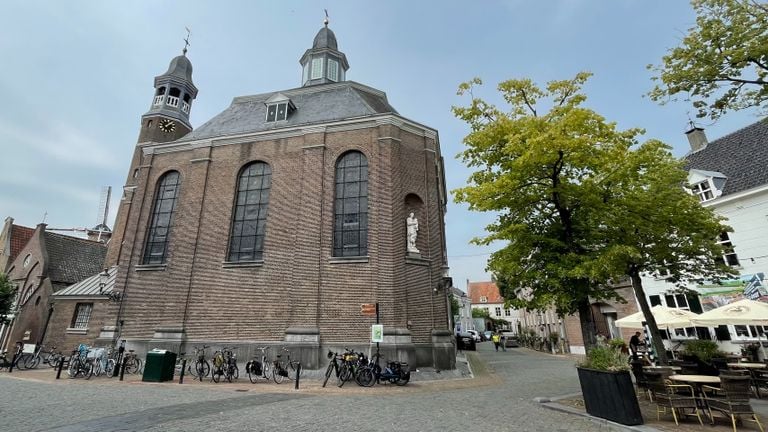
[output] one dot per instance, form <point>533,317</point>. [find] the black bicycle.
<point>334,365</point>
<point>285,368</point>
<point>201,368</point>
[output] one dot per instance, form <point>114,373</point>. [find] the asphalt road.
<point>499,398</point>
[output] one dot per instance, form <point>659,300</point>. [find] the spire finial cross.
<point>186,41</point>
<point>326,20</point>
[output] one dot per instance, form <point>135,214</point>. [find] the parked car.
<point>465,341</point>
<point>487,335</point>
<point>475,335</point>
<point>510,340</point>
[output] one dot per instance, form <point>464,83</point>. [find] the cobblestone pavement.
<point>499,398</point>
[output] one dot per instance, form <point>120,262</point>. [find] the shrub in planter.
<point>607,386</point>
<point>702,352</point>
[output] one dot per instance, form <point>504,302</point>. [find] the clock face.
<point>167,126</point>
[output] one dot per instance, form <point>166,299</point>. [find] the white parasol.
<point>665,317</point>
<point>742,312</point>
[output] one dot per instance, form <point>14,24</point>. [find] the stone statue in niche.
<point>413,228</point>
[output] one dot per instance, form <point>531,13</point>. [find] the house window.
<point>82,315</point>
<point>333,70</point>
<point>703,190</point>
<point>156,248</point>
<point>750,332</point>
<point>305,73</point>
<point>317,68</point>
<point>350,223</point>
<point>729,254</point>
<point>483,299</point>
<point>498,311</point>
<point>277,112</point>
<point>250,216</point>
<point>677,301</point>
<point>507,312</point>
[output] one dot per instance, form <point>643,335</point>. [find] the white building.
<point>730,175</point>
<point>463,321</point>
<point>486,296</point>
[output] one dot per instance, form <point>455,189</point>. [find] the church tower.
<point>323,63</point>
<point>168,116</point>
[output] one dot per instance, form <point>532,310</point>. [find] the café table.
<point>748,365</point>
<point>673,368</point>
<point>697,381</point>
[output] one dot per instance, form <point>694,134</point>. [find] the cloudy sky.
<point>76,76</point>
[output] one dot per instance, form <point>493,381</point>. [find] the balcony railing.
<point>172,101</point>
<point>185,107</point>
<point>159,100</point>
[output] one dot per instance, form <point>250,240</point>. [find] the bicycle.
<point>217,362</point>
<point>53,358</point>
<point>258,368</point>
<point>230,364</point>
<point>32,361</point>
<point>201,368</point>
<point>351,367</point>
<point>132,362</point>
<point>79,364</point>
<point>333,366</point>
<point>285,369</point>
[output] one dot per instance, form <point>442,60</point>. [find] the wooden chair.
<point>733,402</point>
<point>676,397</point>
<point>759,380</point>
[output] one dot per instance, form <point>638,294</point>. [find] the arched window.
<point>156,247</point>
<point>175,92</point>
<point>249,222</point>
<point>350,222</point>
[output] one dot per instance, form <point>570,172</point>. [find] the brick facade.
<point>63,337</point>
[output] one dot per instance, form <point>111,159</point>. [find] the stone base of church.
<point>305,345</point>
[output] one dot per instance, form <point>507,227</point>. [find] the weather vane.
<point>186,41</point>
<point>326,20</point>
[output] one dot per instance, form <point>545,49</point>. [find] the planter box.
<point>610,395</point>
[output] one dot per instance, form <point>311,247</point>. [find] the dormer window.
<point>333,70</point>
<point>317,68</point>
<point>279,108</point>
<point>703,190</point>
<point>483,299</point>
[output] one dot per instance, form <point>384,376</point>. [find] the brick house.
<point>13,238</point>
<point>273,222</point>
<point>48,263</point>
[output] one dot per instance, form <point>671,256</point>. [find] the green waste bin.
<point>159,366</point>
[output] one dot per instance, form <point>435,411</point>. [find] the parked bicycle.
<point>333,366</point>
<point>352,367</point>
<point>395,372</point>
<point>231,372</point>
<point>79,363</point>
<point>53,357</point>
<point>132,362</point>
<point>285,368</point>
<point>201,368</point>
<point>258,367</point>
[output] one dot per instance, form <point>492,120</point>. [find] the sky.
<point>76,76</point>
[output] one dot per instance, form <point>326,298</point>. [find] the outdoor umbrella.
<point>742,312</point>
<point>665,317</point>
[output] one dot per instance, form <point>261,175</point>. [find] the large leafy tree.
<point>571,195</point>
<point>7,294</point>
<point>722,62</point>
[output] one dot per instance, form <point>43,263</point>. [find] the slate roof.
<point>742,156</point>
<point>90,286</point>
<point>484,289</point>
<point>20,236</point>
<point>72,259</point>
<point>314,105</point>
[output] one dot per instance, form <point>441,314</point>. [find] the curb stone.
<point>551,403</point>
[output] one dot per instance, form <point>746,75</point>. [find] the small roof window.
<point>279,107</point>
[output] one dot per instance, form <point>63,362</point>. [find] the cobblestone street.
<point>499,398</point>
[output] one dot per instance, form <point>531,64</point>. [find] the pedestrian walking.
<point>503,341</point>
<point>496,338</point>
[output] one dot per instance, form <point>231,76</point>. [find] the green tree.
<point>455,306</point>
<point>722,62</point>
<point>571,195</point>
<point>7,294</point>
<point>480,313</point>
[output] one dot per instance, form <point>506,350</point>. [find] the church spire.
<point>323,63</point>
<point>168,115</point>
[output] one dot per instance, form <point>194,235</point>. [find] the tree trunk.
<point>587,324</point>
<point>658,344</point>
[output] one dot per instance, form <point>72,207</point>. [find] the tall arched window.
<point>350,222</point>
<point>249,222</point>
<point>156,247</point>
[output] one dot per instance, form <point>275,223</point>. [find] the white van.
<point>475,335</point>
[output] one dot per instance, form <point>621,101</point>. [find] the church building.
<point>280,220</point>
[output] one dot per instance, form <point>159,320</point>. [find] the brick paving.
<point>499,398</point>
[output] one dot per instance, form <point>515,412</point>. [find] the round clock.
<point>167,126</point>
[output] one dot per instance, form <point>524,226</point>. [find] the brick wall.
<point>61,320</point>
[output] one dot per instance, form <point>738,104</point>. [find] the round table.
<point>748,365</point>
<point>674,368</point>
<point>696,379</point>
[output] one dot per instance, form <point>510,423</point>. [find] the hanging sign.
<point>377,333</point>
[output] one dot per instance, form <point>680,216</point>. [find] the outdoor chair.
<point>720,364</point>
<point>759,380</point>
<point>676,397</point>
<point>641,380</point>
<point>733,401</point>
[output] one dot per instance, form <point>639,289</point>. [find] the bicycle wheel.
<point>88,370</point>
<point>131,365</point>
<point>139,366</point>
<point>54,359</point>
<point>202,369</point>
<point>364,377</point>
<point>235,372</point>
<point>20,361</point>
<point>276,375</point>
<point>328,373</point>
<point>216,375</point>
<point>266,368</point>
<point>250,369</point>
<point>110,370</point>
<point>32,362</point>
<point>74,367</point>
<point>344,374</point>
<point>97,368</point>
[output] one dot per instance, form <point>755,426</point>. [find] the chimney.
<point>696,138</point>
